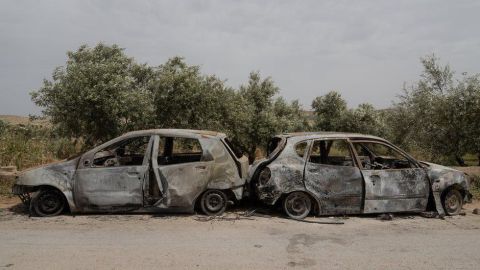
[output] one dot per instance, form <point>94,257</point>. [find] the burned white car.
<point>339,173</point>
<point>147,171</point>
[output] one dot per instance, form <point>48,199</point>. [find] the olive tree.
<point>266,114</point>
<point>329,110</point>
<point>185,98</point>
<point>439,113</point>
<point>331,114</point>
<point>99,93</point>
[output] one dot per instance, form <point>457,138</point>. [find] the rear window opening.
<point>176,150</point>
<point>275,145</point>
<point>237,152</point>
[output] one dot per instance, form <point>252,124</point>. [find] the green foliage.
<point>366,119</point>
<point>185,98</point>
<point>264,115</point>
<point>475,186</point>
<point>101,93</point>
<point>98,94</point>
<point>329,110</point>
<point>3,127</point>
<point>331,114</point>
<point>437,114</point>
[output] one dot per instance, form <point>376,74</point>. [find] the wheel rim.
<point>297,205</point>
<point>49,203</point>
<point>452,203</point>
<point>214,202</point>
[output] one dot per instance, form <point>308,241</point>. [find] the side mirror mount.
<point>86,163</point>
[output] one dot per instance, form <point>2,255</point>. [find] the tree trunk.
<point>251,155</point>
<point>460,160</point>
<point>478,155</point>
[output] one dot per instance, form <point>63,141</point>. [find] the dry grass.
<point>23,120</point>
<point>6,187</point>
<point>471,170</point>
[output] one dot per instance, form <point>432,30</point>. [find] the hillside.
<point>22,120</point>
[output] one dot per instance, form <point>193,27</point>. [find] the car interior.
<point>129,152</point>
<point>377,156</point>
<point>331,152</point>
<point>176,150</point>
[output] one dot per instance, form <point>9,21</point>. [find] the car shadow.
<point>19,209</point>
<point>242,210</point>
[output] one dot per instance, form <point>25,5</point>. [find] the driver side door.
<point>112,177</point>
<point>393,182</point>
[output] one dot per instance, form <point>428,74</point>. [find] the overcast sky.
<point>365,50</point>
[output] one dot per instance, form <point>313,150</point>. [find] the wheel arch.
<point>228,192</point>
<point>38,188</point>
<point>68,206</point>
<point>455,186</point>
<point>315,201</point>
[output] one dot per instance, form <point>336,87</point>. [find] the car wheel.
<point>297,205</point>
<point>213,202</point>
<point>48,203</point>
<point>453,202</point>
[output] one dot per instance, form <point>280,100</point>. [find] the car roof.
<point>328,134</point>
<point>175,132</point>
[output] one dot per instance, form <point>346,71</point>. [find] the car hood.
<point>56,174</point>
<point>446,176</point>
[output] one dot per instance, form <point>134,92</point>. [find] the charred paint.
<point>124,188</point>
<point>353,189</point>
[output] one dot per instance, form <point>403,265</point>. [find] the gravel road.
<point>236,242</point>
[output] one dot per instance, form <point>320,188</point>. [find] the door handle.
<point>374,178</point>
<point>201,167</point>
<point>133,173</point>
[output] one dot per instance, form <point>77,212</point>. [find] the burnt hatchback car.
<point>146,171</point>
<point>341,173</point>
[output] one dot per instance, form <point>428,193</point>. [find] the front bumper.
<point>23,192</point>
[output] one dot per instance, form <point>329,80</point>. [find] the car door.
<point>112,177</point>
<point>182,171</point>
<point>333,176</point>
<point>393,181</point>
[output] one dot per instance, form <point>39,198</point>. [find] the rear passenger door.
<point>183,171</point>
<point>333,176</point>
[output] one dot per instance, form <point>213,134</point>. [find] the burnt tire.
<point>452,202</point>
<point>297,205</point>
<point>213,202</point>
<point>48,203</point>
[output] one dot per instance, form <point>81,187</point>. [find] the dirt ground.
<point>235,242</point>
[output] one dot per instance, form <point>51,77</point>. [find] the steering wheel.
<point>380,166</point>
<point>111,162</point>
<point>376,166</point>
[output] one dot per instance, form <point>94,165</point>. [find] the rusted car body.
<point>342,173</point>
<point>150,170</point>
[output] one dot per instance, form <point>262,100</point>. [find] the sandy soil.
<point>236,242</point>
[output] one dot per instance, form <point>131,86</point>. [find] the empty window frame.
<point>129,152</point>
<point>379,156</point>
<point>331,152</point>
<point>176,150</point>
